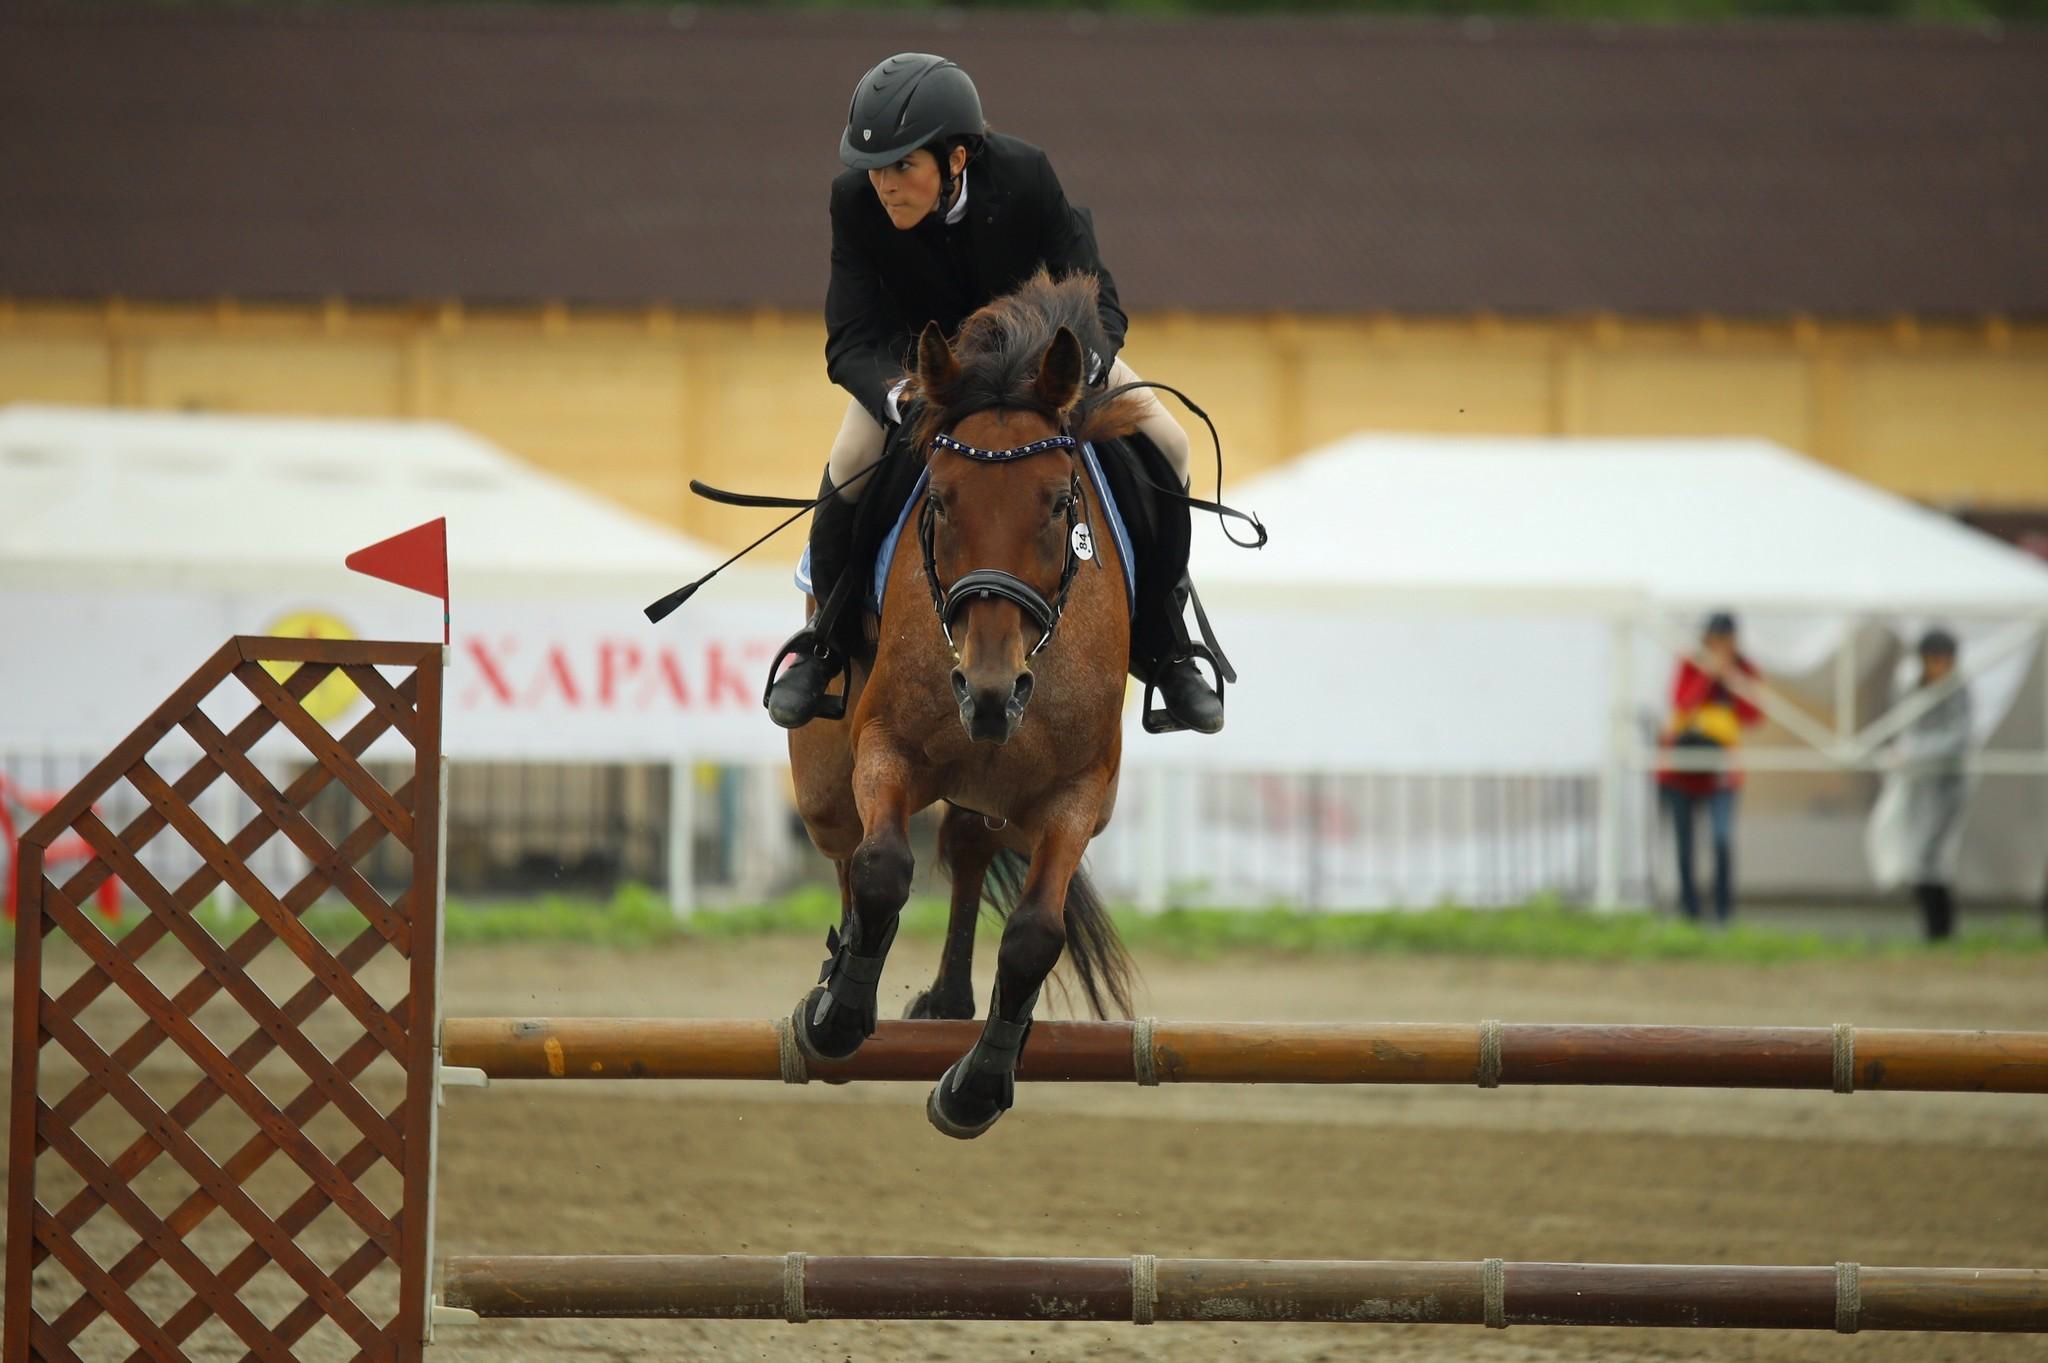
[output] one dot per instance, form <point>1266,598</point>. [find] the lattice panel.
<point>222,1118</point>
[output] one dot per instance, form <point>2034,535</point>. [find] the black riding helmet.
<point>912,100</point>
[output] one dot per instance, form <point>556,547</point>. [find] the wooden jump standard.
<point>798,1287</point>
<point>1488,1054</point>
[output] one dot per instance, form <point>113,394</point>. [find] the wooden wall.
<point>635,404</point>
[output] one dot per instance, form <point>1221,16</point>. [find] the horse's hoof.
<point>928,1005</point>
<point>823,1040</point>
<point>963,1116</point>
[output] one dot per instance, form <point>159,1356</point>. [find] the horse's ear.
<point>936,366</point>
<point>1059,373</point>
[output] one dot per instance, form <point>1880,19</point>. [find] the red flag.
<point>416,558</point>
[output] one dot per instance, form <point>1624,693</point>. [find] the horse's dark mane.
<point>999,350</point>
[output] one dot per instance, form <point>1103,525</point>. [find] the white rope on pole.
<point>1489,1053</point>
<point>793,1309</point>
<point>787,1055</point>
<point>1848,1298</point>
<point>1493,1292</point>
<point>1144,1059</point>
<point>1144,1288</point>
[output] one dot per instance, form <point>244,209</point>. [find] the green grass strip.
<point>637,917</point>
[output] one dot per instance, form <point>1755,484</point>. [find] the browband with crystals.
<point>1053,442</point>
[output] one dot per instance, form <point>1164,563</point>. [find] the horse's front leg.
<point>981,1085</point>
<point>966,847</point>
<point>839,1014</point>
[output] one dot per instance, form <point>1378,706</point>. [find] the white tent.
<point>121,497</point>
<point>1588,529</point>
<point>133,543</point>
<point>1691,524</point>
<point>1509,607</point>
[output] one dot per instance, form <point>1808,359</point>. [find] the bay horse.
<point>997,687</point>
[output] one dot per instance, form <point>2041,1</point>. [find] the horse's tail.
<point>1098,953</point>
<point>1100,960</point>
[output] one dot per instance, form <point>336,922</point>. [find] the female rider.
<point>934,217</point>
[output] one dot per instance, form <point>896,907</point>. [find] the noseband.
<point>984,583</point>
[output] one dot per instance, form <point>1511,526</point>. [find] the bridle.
<point>985,583</point>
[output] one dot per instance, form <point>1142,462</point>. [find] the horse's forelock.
<point>999,350</point>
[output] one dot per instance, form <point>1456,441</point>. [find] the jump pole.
<point>1489,1054</point>
<point>1142,1289</point>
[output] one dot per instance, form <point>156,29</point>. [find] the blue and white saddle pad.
<point>887,553</point>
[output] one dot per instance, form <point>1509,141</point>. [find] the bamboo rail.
<point>1488,1054</point>
<point>1142,1289</point>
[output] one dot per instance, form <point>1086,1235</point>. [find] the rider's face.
<point>909,190</point>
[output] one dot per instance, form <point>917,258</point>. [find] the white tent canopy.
<point>127,497</point>
<point>1660,530</point>
<point>1479,579</point>
<point>1690,524</point>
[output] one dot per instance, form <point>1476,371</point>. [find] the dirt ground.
<point>1614,1175</point>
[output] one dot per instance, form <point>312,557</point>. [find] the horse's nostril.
<point>959,686</point>
<point>1022,693</point>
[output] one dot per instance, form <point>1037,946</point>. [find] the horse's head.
<point>999,522</point>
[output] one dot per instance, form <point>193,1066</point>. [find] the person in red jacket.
<point>1708,715</point>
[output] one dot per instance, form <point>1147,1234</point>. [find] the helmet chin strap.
<point>949,184</point>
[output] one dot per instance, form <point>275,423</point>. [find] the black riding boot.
<point>1187,700</point>
<point>798,696</point>
<point>1162,654</point>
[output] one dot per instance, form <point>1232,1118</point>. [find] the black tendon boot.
<point>798,696</point>
<point>837,1016</point>
<point>981,1086</point>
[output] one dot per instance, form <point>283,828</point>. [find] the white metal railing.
<point>1331,840</point>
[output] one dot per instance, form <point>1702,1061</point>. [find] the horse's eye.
<point>938,508</point>
<point>1062,505</point>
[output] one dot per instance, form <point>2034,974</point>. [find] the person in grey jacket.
<point>1919,823</point>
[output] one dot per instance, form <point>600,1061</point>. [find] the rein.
<point>1195,503</point>
<point>984,583</point>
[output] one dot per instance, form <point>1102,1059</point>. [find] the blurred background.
<point>1540,333</point>
<point>1537,337</point>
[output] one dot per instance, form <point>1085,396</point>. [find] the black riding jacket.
<point>887,284</point>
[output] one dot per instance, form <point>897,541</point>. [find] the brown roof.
<point>632,156</point>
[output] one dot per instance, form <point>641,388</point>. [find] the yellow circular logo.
<point>334,696</point>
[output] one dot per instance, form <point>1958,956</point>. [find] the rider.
<point>935,217</point>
